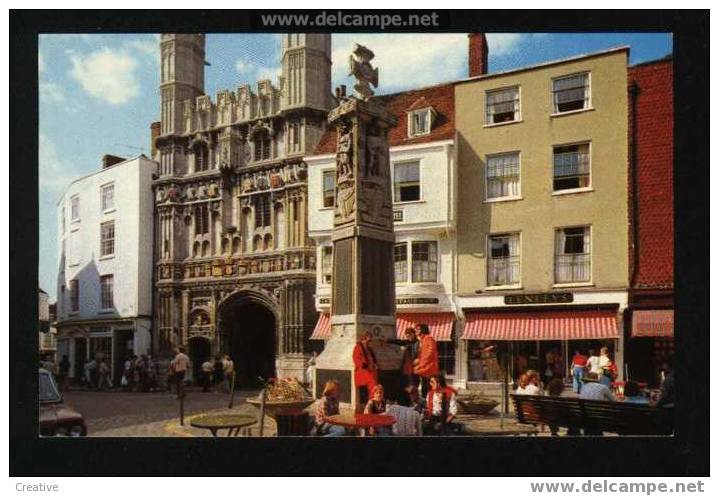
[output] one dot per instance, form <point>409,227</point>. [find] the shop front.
<point>535,339</point>
<point>650,344</point>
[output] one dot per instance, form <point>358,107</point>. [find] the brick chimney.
<point>110,160</point>
<point>478,53</point>
<point>154,133</point>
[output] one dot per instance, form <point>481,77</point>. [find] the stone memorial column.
<point>363,292</point>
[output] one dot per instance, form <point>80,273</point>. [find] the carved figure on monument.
<point>363,71</point>
<point>344,151</point>
<point>376,156</point>
<point>248,185</point>
<point>345,202</point>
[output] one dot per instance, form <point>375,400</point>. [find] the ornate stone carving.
<point>362,70</point>
<point>345,151</point>
<point>345,202</point>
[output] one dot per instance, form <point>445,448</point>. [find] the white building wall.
<point>79,246</point>
<point>432,218</point>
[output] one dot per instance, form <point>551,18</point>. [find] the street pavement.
<point>124,414</point>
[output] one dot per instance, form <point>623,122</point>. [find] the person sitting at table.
<point>365,363</point>
<point>593,389</point>
<point>528,385</point>
<point>441,406</point>
<point>378,406</point>
<point>327,406</point>
<point>633,394</point>
<point>555,388</point>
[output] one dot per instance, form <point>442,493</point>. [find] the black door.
<point>251,342</point>
<point>199,353</point>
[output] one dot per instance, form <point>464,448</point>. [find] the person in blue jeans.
<point>327,406</point>
<point>579,364</point>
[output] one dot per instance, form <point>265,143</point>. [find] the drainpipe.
<point>633,95</point>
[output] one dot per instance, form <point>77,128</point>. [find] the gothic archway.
<point>248,324</point>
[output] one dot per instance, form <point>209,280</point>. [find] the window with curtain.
<point>327,264</point>
<point>571,93</point>
<point>571,167</point>
<point>107,238</point>
<point>573,255</point>
<point>503,260</point>
<point>424,261</point>
<point>400,262</point>
<point>106,291</point>
<point>328,189</point>
<point>406,182</point>
<point>503,176</point>
<point>503,105</point>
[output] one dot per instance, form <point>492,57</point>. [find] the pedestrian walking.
<point>579,365</point>
<point>228,371</point>
<point>426,365</point>
<point>90,369</point>
<point>179,366</point>
<point>207,368</point>
<point>410,348</point>
<point>310,371</point>
<point>218,374</point>
<point>365,362</point>
<point>103,372</point>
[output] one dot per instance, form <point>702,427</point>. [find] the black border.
<point>687,454</point>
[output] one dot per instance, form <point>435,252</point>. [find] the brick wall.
<point>651,131</point>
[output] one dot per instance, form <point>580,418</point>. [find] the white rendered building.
<point>104,285</point>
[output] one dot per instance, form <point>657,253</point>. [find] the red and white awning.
<point>323,330</point>
<point>653,323</point>
<point>541,326</point>
<point>440,325</point>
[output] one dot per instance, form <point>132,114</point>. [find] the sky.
<point>99,93</point>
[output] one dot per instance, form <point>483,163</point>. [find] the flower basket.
<point>476,405</point>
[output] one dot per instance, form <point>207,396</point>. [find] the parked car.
<point>56,418</point>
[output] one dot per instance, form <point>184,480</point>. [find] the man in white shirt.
<point>179,366</point>
<point>228,370</point>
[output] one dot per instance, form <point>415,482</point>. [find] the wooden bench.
<point>594,415</point>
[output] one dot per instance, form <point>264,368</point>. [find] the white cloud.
<point>51,93</point>
<point>252,71</point>
<point>107,74</point>
<point>404,60</point>
<point>503,43</point>
<point>148,47</point>
<point>54,173</point>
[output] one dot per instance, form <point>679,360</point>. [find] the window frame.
<point>405,163</point>
<point>487,93</point>
<point>411,130</point>
<point>326,271</point>
<point>436,261</point>
<point>488,157</point>
<point>574,282</point>
<point>406,262</point>
<point>513,285</point>
<point>332,173</point>
<point>75,208</point>
<point>108,240</point>
<point>103,189</point>
<point>107,301</point>
<point>589,186</point>
<point>587,99</point>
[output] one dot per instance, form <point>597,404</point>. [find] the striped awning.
<point>541,326</point>
<point>323,330</point>
<point>653,323</point>
<point>440,325</point>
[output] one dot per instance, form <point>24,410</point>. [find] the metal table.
<point>233,423</point>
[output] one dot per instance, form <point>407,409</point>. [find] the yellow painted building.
<point>542,231</point>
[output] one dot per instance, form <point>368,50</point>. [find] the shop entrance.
<point>249,333</point>
<point>199,350</point>
<point>80,358</point>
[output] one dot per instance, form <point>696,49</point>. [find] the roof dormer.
<point>420,117</point>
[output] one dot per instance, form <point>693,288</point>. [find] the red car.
<point>56,418</point>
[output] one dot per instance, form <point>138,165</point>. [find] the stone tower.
<point>182,78</point>
<point>306,64</point>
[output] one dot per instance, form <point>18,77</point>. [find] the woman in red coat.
<point>365,363</point>
<point>427,363</point>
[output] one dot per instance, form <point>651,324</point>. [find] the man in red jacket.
<point>365,363</point>
<point>427,363</point>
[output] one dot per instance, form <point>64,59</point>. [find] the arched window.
<point>206,249</point>
<point>262,143</point>
<point>196,249</point>
<point>202,220</point>
<point>246,227</point>
<point>257,243</point>
<point>235,244</point>
<point>268,242</point>
<point>225,245</point>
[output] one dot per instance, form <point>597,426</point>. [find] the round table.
<point>361,420</point>
<point>214,423</point>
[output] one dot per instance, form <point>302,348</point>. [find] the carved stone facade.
<point>231,204</point>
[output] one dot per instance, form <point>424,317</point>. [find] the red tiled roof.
<point>440,98</point>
